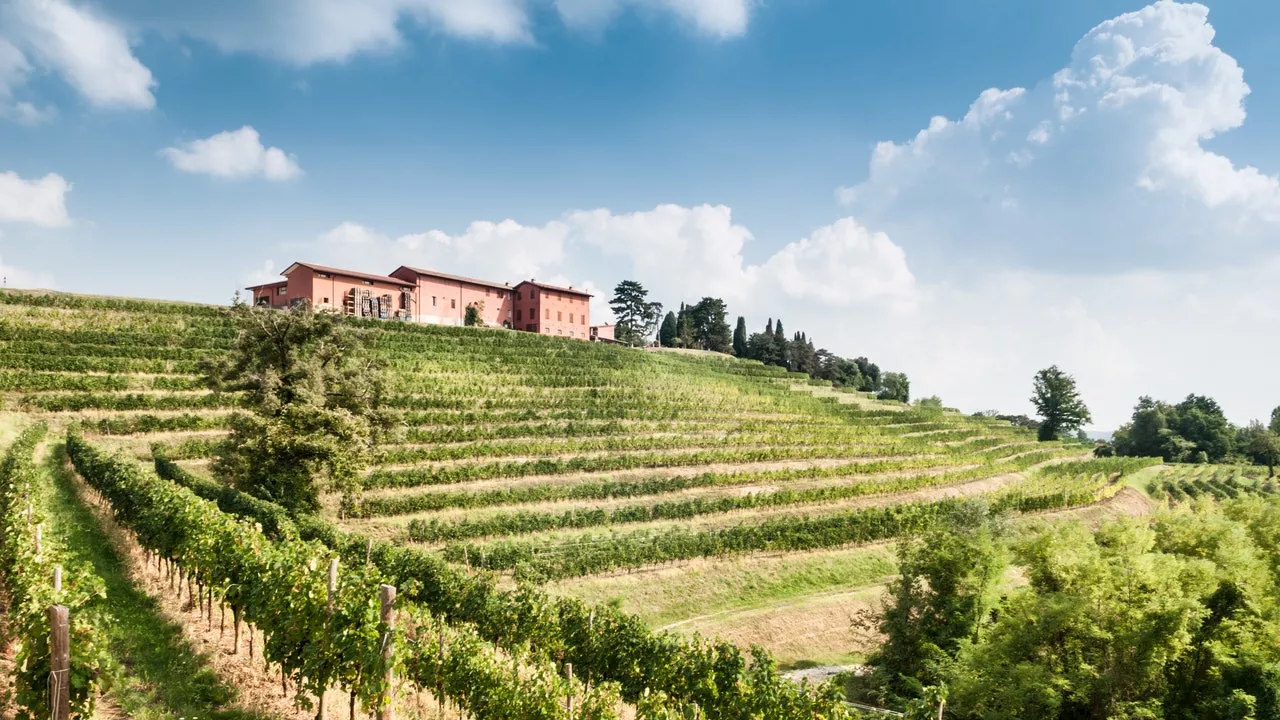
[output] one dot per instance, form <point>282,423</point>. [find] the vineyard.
<point>520,468</point>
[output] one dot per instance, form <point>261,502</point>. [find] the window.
<point>531,327</point>
<point>559,331</point>
<point>548,317</point>
<point>583,318</point>
<point>322,275</point>
<point>281,290</point>
<point>453,304</point>
<point>367,282</point>
<point>502,294</point>
<point>326,301</point>
<point>508,314</point>
<point>486,292</point>
<point>559,316</point>
<point>533,294</point>
<point>570,316</point>
<point>519,295</point>
<point>433,301</point>
<point>518,318</point>
<point>570,333</point>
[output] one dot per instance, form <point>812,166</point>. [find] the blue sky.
<point>703,146</point>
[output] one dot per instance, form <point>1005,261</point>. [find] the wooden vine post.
<point>57,578</point>
<point>568,702</point>
<point>387,594</point>
<point>323,711</point>
<point>59,662</point>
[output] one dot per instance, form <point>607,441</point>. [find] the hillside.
<point>704,493</point>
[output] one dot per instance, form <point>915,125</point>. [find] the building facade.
<point>426,296</point>
<point>442,299</point>
<point>552,310</point>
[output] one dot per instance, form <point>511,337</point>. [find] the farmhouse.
<point>427,296</point>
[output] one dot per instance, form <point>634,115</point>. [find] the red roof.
<point>349,273</point>
<point>456,278</point>
<point>270,284</point>
<point>556,288</point>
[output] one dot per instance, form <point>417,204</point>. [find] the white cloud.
<point>16,277</point>
<point>717,18</point>
<point>89,51</point>
<point>233,154</point>
<point>1101,165</point>
<point>39,202</point>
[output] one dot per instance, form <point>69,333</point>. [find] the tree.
<point>315,406</point>
<point>740,338</point>
<point>1058,404</point>
<point>667,334</point>
<point>1200,420</point>
<point>1260,446</point>
<point>1275,420</point>
<point>938,603</point>
<point>635,317</point>
<point>895,387</point>
<point>474,316</point>
<point>709,327</point>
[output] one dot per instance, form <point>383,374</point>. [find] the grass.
<point>664,596</point>
<point>159,675</point>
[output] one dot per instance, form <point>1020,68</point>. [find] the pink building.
<point>427,296</point>
<point>442,299</point>
<point>552,310</point>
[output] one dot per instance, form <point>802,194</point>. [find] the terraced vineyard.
<point>1179,483</point>
<point>519,461</point>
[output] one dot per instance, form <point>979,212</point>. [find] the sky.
<point>965,192</point>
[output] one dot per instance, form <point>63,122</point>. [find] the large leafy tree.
<point>1275,421</point>
<point>710,329</point>
<point>938,603</point>
<point>896,386</point>
<point>1058,403</point>
<point>635,316</point>
<point>314,405</point>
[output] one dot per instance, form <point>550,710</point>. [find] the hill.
<point>704,493</point>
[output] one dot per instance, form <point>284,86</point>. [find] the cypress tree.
<point>667,334</point>
<point>768,327</point>
<point>740,338</point>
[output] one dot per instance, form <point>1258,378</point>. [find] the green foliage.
<point>1194,430</point>
<point>277,586</point>
<point>895,387</point>
<point>1174,618</point>
<point>315,395</point>
<point>667,334</point>
<point>27,576</point>
<point>937,605</point>
<point>473,316</point>
<point>1058,402</point>
<point>635,317</point>
<point>740,338</point>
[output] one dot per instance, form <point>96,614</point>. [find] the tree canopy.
<point>635,317</point>
<point>1058,403</point>
<point>314,400</point>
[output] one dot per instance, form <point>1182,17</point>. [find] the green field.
<point>674,493</point>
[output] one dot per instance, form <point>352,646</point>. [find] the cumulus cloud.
<point>1102,165</point>
<point>234,154</point>
<point>679,253</point>
<point>89,51</point>
<point>39,202</point>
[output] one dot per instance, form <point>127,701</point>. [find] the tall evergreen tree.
<point>740,338</point>
<point>636,317</point>
<point>768,327</point>
<point>667,334</point>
